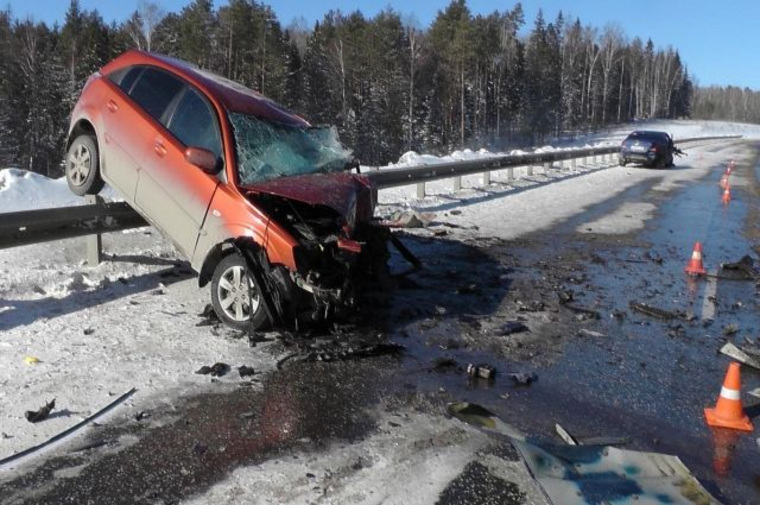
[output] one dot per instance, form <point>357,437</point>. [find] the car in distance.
<point>650,148</point>
<point>266,207</point>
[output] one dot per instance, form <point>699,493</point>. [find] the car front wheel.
<point>234,296</point>
<point>83,166</point>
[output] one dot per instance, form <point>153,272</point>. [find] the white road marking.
<point>708,306</point>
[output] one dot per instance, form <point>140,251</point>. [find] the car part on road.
<point>482,371</point>
<point>744,268</point>
<point>218,369</point>
<point>246,371</point>
<point>739,355</point>
<point>649,310</point>
<point>35,416</point>
<point>67,432</point>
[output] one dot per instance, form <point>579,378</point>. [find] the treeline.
<point>387,83</point>
<point>727,103</point>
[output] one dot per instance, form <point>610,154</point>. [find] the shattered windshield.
<point>266,150</point>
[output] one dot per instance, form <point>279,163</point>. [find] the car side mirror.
<point>202,158</point>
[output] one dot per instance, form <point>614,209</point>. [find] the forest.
<point>388,84</point>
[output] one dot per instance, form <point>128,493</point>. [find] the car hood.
<point>342,191</point>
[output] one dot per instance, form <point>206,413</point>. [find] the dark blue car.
<point>650,148</point>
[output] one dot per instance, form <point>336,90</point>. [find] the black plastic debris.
<point>444,364</point>
<point>482,371</point>
<point>512,327</point>
<point>89,331</point>
<point>209,317</point>
<point>246,371</point>
<point>143,414</point>
<point>742,269</point>
<point>41,414</point>
<point>216,370</point>
<point>523,378</point>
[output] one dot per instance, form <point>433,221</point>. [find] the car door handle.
<point>112,106</point>
<point>159,148</point>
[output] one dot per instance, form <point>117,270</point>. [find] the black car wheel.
<point>234,296</point>
<point>623,161</point>
<point>83,166</point>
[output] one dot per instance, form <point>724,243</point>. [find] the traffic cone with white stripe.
<point>728,412</point>
<point>695,266</point>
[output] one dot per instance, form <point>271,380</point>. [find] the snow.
<point>131,321</point>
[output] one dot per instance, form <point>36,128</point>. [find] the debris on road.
<point>41,414</point>
<point>742,269</point>
<point>339,351</point>
<point>564,435</point>
<point>246,371</point>
<point>512,327</point>
<point>216,370</point>
<point>67,432</point>
<point>523,378</point>
<point>583,314</point>
<point>534,306</point>
<point>409,219</point>
<point>739,355</point>
<point>31,360</point>
<point>730,329</point>
<point>590,333</point>
<point>582,475</point>
<point>209,317</point>
<point>483,371</point>
<point>649,310</point>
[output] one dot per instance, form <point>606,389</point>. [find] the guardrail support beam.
<point>94,242</point>
<point>420,190</point>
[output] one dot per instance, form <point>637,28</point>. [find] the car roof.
<point>649,133</point>
<point>230,95</point>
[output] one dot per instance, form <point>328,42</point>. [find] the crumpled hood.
<point>339,191</point>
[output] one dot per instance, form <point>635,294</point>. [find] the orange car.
<point>265,206</point>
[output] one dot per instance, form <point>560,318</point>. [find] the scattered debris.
<point>564,435</point>
<point>483,371</point>
<point>648,310</point>
<point>143,414</point>
<point>209,316</point>
<point>523,378</point>
<point>444,364</point>
<point>41,414</point>
<point>512,327</point>
<point>743,269</point>
<point>583,314</point>
<point>410,219</point>
<point>89,331</point>
<point>581,474</point>
<point>739,355</point>
<point>534,306</point>
<point>590,333</point>
<point>730,329</point>
<point>340,351</point>
<point>565,296</point>
<point>246,371</point>
<point>31,360</point>
<point>216,370</point>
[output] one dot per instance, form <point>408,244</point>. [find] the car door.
<point>174,193</point>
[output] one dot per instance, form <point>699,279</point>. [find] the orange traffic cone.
<point>726,194</point>
<point>695,266</point>
<point>724,444</point>
<point>728,412</point>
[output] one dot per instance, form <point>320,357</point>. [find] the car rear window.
<point>154,91</point>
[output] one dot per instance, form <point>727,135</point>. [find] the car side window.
<point>154,91</point>
<point>194,123</point>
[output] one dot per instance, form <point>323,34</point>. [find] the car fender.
<point>216,241</point>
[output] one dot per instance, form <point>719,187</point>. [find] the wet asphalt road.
<point>602,368</point>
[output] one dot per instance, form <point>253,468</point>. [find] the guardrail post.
<point>510,174</point>
<point>486,178</point>
<point>573,165</point>
<point>94,242</point>
<point>547,165</point>
<point>420,190</point>
<point>458,183</point>
<point>530,170</point>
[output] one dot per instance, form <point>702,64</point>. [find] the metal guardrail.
<point>30,227</point>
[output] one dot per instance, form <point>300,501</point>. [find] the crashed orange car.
<point>269,210</point>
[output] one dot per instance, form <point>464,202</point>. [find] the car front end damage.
<point>337,256</point>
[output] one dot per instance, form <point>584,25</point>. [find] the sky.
<point>719,43</point>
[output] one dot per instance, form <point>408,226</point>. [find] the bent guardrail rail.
<point>34,226</point>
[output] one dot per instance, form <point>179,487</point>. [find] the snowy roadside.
<point>131,321</point>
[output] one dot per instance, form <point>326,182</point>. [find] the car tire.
<point>623,162</point>
<point>231,298</point>
<point>83,166</point>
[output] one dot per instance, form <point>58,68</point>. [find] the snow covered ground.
<point>131,321</point>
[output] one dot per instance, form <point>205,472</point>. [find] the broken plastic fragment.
<point>41,414</point>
